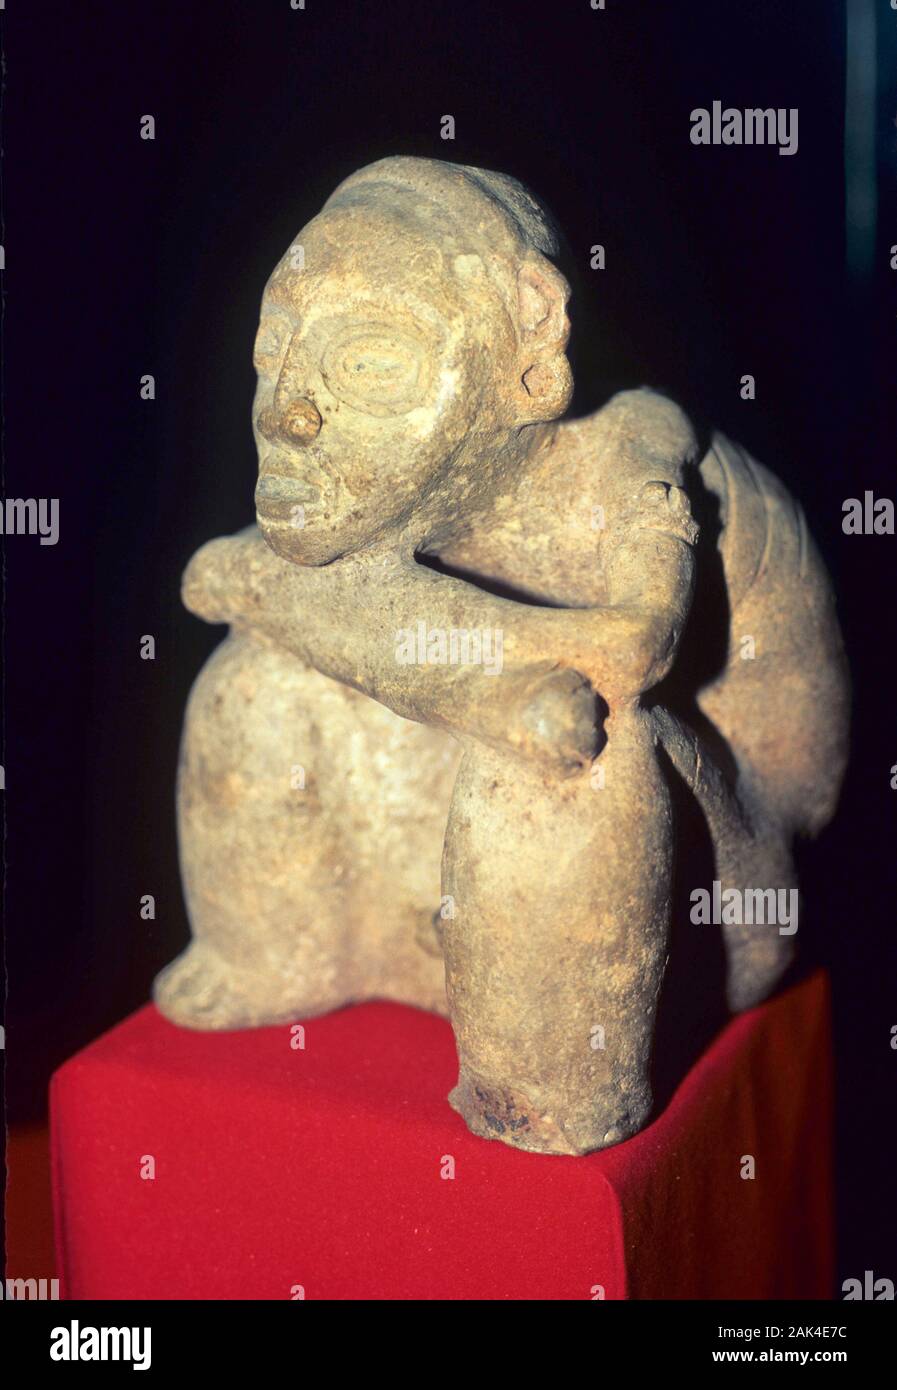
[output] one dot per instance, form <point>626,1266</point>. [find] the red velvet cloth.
<point>320,1168</point>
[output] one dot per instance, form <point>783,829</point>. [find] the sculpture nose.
<point>301,421</point>
<point>298,423</point>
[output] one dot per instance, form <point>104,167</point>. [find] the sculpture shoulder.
<point>639,435</point>
<point>632,458</point>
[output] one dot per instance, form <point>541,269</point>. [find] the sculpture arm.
<point>361,621</point>
<point>353,621</point>
<point>649,571</point>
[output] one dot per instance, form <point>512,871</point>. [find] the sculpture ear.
<point>546,382</point>
<point>542,294</point>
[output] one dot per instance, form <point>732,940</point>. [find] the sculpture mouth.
<point>275,495</point>
<point>274,488</point>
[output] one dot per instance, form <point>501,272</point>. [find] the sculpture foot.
<point>201,990</point>
<point>498,1112</point>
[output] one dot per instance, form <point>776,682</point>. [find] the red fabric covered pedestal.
<point>278,1167</point>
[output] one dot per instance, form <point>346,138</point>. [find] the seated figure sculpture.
<point>368,810</point>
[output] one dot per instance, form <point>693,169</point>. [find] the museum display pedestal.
<point>247,1166</point>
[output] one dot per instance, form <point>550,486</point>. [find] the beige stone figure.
<point>470,647</point>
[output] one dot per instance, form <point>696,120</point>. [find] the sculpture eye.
<point>378,371</point>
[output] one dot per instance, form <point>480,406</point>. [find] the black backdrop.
<point>127,257</point>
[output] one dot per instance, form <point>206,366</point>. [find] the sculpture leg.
<point>759,952</point>
<point>296,906</point>
<point>752,854</point>
<point>558,940</point>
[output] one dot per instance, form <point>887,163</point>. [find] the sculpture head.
<point>408,339</point>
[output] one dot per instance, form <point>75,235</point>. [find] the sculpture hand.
<point>549,714</point>
<point>215,581</point>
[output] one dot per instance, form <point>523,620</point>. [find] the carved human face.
<point>374,359</point>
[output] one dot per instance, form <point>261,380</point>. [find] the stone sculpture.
<point>466,634</point>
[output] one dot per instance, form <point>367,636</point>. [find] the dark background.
<point>126,257</point>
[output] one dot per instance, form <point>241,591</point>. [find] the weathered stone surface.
<point>466,633</point>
